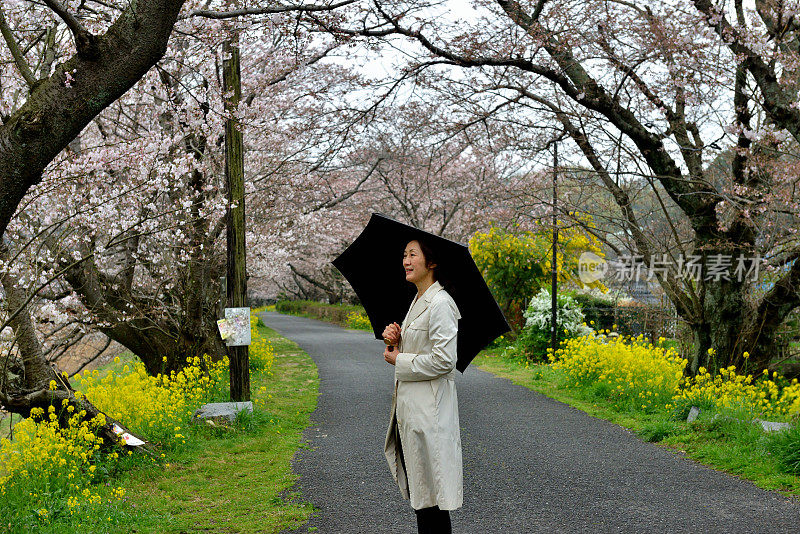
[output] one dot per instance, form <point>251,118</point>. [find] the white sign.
<point>129,439</point>
<point>235,327</point>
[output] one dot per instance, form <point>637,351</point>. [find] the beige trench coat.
<point>425,407</point>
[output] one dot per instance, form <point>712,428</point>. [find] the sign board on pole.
<point>235,327</point>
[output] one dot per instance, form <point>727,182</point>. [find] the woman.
<point>423,442</point>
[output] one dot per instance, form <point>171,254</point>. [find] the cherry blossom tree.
<point>122,204</point>
<point>410,164</point>
<point>694,104</point>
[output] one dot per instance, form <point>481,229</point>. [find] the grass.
<point>6,422</point>
<point>239,480</point>
<point>728,444</point>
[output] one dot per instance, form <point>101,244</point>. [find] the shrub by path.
<point>531,464</point>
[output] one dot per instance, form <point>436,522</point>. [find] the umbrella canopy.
<point>373,264</point>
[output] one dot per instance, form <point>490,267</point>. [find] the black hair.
<point>432,256</point>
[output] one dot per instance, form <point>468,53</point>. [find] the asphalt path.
<point>531,464</point>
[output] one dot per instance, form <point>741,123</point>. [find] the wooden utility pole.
<point>234,178</point>
<point>554,274</point>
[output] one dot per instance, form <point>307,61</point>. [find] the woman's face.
<point>414,263</point>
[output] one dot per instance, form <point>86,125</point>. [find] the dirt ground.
<point>74,358</point>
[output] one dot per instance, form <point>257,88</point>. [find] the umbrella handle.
<point>389,344</point>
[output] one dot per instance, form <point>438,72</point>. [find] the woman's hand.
<point>392,334</point>
<point>390,356</point>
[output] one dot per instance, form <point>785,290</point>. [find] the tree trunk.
<point>103,69</point>
<point>164,351</point>
<point>725,313</point>
<point>161,343</point>
<point>24,401</point>
<point>37,392</point>
<point>732,326</point>
<point>38,373</point>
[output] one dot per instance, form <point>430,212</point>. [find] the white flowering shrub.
<point>534,339</point>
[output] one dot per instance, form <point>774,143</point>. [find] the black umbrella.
<point>373,264</point>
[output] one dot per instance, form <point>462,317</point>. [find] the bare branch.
<point>85,42</point>
<point>695,199</point>
<point>537,11</point>
<point>265,10</point>
<point>677,120</point>
<point>16,53</point>
<point>341,198</point>
<point>308,63</point>
<point>310,280</point>
<point>778,102</point>
<point>59,350</point>
<point>681,301</point>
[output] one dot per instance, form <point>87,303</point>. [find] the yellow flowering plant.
<point>630,372</point>
<point>765,396</point>
<point>635,374</point>
<point>516,265</point>
<point>358,321</point>
<point>154,406</point>
<point>262,354</point>
<point>50,470</point>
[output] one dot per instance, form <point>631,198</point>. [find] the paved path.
<point>531,464</point>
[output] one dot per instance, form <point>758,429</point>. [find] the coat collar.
<point>422,303</point>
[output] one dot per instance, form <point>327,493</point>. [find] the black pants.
<point>433,521</point>
<point>429,520</point>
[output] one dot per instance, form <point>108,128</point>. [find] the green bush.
<point>292,306</point>
<point>501,342</point>
<point>335,313</point>
<point>533,342</point>
<point>596,309</point>
<point>516,264</point>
